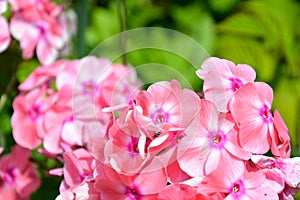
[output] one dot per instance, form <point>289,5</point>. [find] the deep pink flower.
<point>18,177</point>
<point>280,140</point>
<point>222,78</point>
<point>40,25</point>
<point>251,108</point>
<point>4,34</point>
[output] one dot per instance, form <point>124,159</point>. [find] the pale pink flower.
<point>237,183</point>
<point>3,6</point>
<point>113,185</point>
<point>18,176</point>
<point>4,34</point>
<point>78,171</point>
<point>222,78</point>
<point>1,150</point>
<point>251,108</point>
<point>290,167</point>
<point>40,25</point>
<point>119,85</point>
<point>84,191</point>
<point>214,143</point>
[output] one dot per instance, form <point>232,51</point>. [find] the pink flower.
<point>4,34</point>
<point>214,143</point>
<point>237,183</point>
<point>165,107</point>
<point>39,24</point>
<point>28,111</point>
<point>113,185</point>
<point>222,78</point>
<point>18,177</point>
<point>290,167</point>
<point>251,108</point>
<point>178,191</point>
<point>280,140</point>
<point>43,75</point>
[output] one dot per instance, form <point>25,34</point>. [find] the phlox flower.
<point>58,126</point>
<point>84,191</point>
<point>280,140</point>
<point>251,108</point>
<point>165,107</point>
<point>40,25</point>
<point>289,168</point>
<point>28,111</point>
<point>123,151</point>
<point>113,185</point>
<point>78,171</point>
<point>18,176</point>
<point>237,183</point>
<point>222,78</point>
<point>4,33</point>
<point>119,86</point>
<point>214,144</point>
<point>43,75</point>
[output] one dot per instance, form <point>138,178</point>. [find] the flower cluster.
<point>37,24</point>
<point>119,141</point>
<point>18,176</point>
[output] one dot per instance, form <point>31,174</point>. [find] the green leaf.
<point>251,52</point>
<point>286,101</point>
<point>25,68</point>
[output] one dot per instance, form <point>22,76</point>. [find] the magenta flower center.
<point>159,117</point>
<point>236,84</point>
<point>9,176</point>
<point>266,114</point>
<point>237,189</point>
<point>217,138</point>
<point>133,193</point>
<point>133,146</point>
<point>34,112</point>
<point>88,87</point>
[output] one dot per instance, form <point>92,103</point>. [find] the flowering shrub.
<point>114,138</point>
<point>118,141</point>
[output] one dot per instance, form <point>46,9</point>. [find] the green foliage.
<point>265,34</point>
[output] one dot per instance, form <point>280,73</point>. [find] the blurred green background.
<point>262,33</point>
